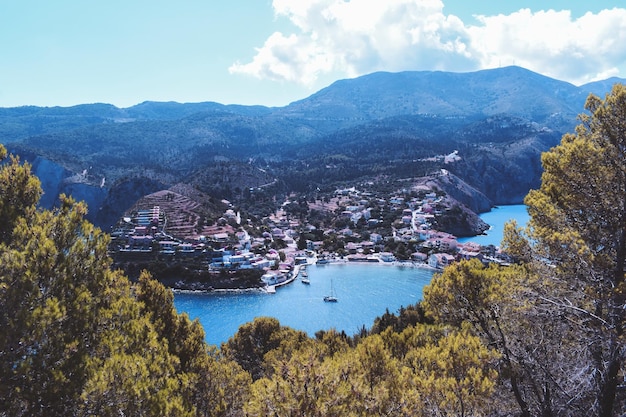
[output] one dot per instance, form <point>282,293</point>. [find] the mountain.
<point>510,90</point>
<point>381,125</point>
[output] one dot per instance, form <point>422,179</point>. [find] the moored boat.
<point>331,298</point>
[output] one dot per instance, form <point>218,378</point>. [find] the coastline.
<point>312,261</point>
<point>364,293</point>
<point>404,264</point>
<point>217,290</point>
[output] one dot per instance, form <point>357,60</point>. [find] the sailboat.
<point>332,298</point>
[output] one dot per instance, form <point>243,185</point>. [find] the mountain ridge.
<point>377,124</point>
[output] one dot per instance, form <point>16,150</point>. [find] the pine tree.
<point>73,339</point>
<point>578,224</point>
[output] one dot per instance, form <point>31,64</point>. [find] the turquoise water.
<point>364,292</point>
<point>496,218</point>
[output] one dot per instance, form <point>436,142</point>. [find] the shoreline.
<point>403,264</point>
<point>267,289</point>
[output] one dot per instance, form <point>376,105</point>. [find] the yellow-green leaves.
<point>19,193</point>
<point>456,376</point>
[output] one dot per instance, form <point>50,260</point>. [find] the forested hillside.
<point>381,126</point>
<point>541,337</point>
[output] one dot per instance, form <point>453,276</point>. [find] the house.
<point>141,231</point>
<point>469,254</point>
<point>168,246</point>
<point>186,249</point>
<point>448,244</point>
<point>346,214</point>
<point>220,237</point>
<point>140,243</point>
<point>273,279</point>
<point>346,232</point>
<point>352,247</point>
<point>376,238</point>
<point>373,222</point>
<point>419,257</point>
<point>237,259</point>
<point>278,233</point>
<point>369,245</point>
<point>314,245</point>
<point>442,241</point>
<point>440,260</point>
<point>263,263</point>
<point>387,257</point>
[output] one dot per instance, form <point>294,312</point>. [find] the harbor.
<point>365,291</point>
<point>287,277</point>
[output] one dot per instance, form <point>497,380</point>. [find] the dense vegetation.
<point>543,337</point>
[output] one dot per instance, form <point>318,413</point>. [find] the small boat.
<point>332,298</point>
<point>305,280</point>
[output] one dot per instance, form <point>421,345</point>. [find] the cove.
<point>364,291</point>
<point>496,218</point>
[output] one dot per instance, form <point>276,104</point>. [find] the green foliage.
<point>515,243</point>
<point>78,339</point>
<point>251,342</point>
<point>19,192</point>
<point>557,319</point>
<point>442,373</point>
<point>409,316</point>
<point>578,224</point>
<point>73,337</point>
<point>455,375</point>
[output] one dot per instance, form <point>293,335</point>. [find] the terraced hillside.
<point>186,216</point>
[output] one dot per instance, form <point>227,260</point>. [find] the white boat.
<point>332,298</point>
<point>305,276</point>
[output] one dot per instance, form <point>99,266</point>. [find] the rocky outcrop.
<point>459,220</point>
<point>506,172</point>
<point>56,180</point>
<point>121,196</point>
<point>460,191</point>
<point>105,204</point>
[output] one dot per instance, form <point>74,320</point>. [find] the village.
<point>349,226</point>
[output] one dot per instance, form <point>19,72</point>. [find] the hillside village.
<point>165,235</point>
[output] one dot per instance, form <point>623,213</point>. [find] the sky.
<point>273,52</point>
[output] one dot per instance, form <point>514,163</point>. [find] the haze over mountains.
<point>382,125</point>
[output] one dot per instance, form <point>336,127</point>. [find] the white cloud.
<point>552,43</point>
<point>354,37</point>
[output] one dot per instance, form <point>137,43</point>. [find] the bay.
<point>364,291</point>
<point>496,218</point>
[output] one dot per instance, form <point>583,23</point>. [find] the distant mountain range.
<point>382,124</point>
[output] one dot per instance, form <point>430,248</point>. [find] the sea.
<point>364,291</point>
<point>496,218</point>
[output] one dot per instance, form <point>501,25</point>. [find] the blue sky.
<point>273,52</point>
